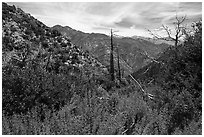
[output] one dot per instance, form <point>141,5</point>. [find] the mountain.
<point>52,86</point>
<point>39,64</point>
<point>134,53</point>
<point>22,32</point>
<point>154,40</point>
<point>176,80</point>
<point>178,70</point>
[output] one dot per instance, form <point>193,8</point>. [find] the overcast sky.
<point>128,18</point>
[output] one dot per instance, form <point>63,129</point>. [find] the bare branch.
<point>138,84</point>
<point>150,96</point>
<point>158,36</point>
<point>154,35</point>
<point>179,31</point>
<point>168,32</point>
<point>180,21</point>
<point>146,71</point>
<point>150,81</point>
<point>146,54</point>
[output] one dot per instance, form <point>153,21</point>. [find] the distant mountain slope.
<point>176,82</point>
<point>52,86</point>
<point>132,51</point>
<point>154,40</point>
<point>178,68</point>
<point>39,65</point>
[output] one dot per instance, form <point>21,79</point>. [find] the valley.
<point>59,81</point>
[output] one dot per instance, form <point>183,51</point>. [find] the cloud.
<point>125,22</point>
<point>104,8</point>
<point>131,18</point>
<point>190,6</point>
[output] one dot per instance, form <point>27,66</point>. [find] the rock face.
<point>26,39</point>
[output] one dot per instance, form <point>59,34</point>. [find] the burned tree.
<point>118,58</point>
<point>111,59</point>
<point>178,33</point>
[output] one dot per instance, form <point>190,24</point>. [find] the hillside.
<point>177,79</point>
<point>132,51</point>
<point>29,46</point>
<point>50,86</point>
<point>23,32</point>
<point>154,40</point>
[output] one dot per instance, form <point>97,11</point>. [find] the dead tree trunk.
<point>119,72</point>
<point>111,59</point>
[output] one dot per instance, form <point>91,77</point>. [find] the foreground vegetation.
<point>45,94</point>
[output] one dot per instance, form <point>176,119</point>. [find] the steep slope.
<point>39,65</point>
<point>21,32</point>
<point>50,86</point>
<point>176,82</point>
<point>134,52</point>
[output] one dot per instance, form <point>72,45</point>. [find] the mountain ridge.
<point>133,51</point>
<point>31,50</point>
<point>20,28</point>
<point>52,86</point>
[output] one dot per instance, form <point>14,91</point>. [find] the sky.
<point>125,18</point>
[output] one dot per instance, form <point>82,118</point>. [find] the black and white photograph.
<point>101,68</point>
